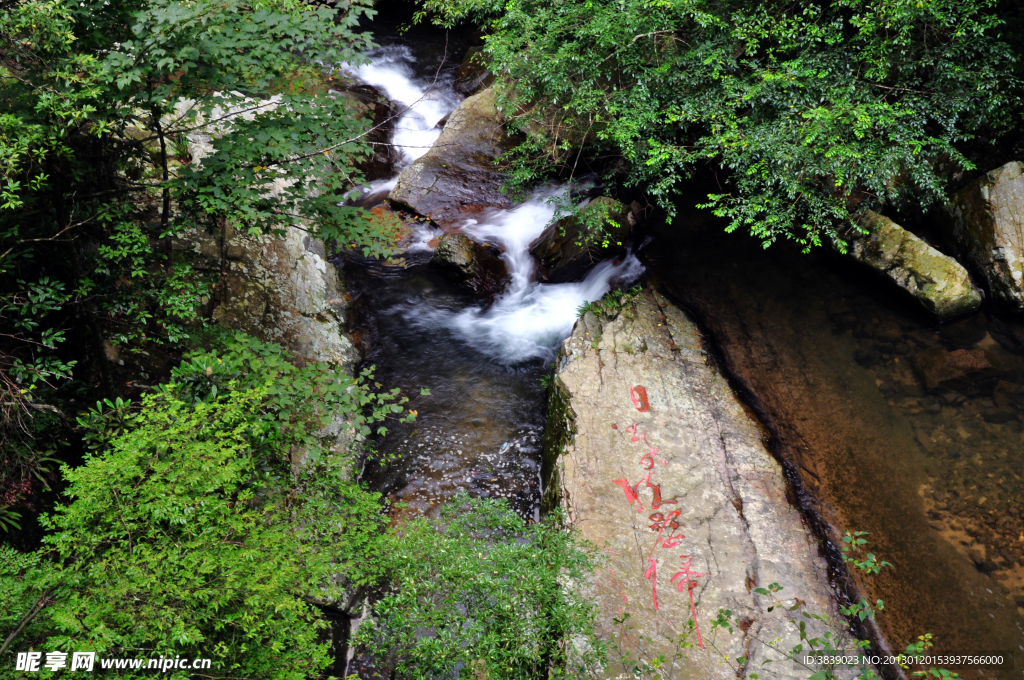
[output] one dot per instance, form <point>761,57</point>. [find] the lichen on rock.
<point>938,282</point>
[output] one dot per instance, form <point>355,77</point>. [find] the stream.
<point>479,429</point>
<point>822,353</point>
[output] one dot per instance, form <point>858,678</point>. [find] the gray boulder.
<point>937,281</point>
<point>477,265</point>
<point>569,245</point>
<point>985,220</point>
<point>686,482</point>
<point>458,175</point>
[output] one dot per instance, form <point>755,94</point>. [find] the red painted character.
<point>638,395</point>
<point>652,575</point>
<point>684,575</point>
<point>633,492</point>
<point>660,522</point>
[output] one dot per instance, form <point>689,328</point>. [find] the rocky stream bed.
<point>785,397</point>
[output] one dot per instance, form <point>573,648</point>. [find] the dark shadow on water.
<point>480,427</point>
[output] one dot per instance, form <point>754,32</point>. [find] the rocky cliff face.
<point>937,281</point>
<point>658,464</point>
<point>985,220</point>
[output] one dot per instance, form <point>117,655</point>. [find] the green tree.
<point>98,103</point>
<point>804,111</point>
<point>478,592</point>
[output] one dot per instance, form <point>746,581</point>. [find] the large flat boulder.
<point>682,498</point>
<point>458,176</point>
<point>985,220</point>
<point>937,281</point>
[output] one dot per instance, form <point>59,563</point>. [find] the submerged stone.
<point>683,499</point>
<point>937,366</point>
<point>458,174</point>
<point>937,281</point>
<point>986,222</point>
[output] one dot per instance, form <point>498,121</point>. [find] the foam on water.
<point>423,102</point>
<point>530,318</point>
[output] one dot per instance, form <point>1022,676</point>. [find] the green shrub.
<point>478,592</point>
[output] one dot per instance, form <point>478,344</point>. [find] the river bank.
<point>831,360</point>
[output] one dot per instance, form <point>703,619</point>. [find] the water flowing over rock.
<point>676,487</point>
<point>986,222</point>
<point>478,265</point>
<point>566,247</point>
<point>457,176</point>
<point>935,280</point>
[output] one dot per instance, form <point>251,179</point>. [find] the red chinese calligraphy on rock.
<point>652,575</point>
<point>683,575</point>
<point>638,395</point>
<point>659,523</point>
<point>633,492</point>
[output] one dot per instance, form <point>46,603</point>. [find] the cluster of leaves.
<point>611,304</point>
<point>211,521</point>
<point>809,110</point>
<point>126,122</point>
<point>478,592</point>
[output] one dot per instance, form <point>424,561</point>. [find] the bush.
<point>192,532</point>
<point>478,592</point>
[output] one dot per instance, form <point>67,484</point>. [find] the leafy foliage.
<point>479,593</point>
<point>811,110</point>
<point>822,635</point>
<point>212,521</point>
<point>126,122</point>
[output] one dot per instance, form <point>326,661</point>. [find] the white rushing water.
<point>531,318</point>
<point>423,102</point>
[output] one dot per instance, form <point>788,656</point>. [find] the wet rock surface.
<point>478,265</point>
<point>473,74</point>
<point>682,497</point>
<point>567,247</point>
<point>458,177</point>
<point>937,366</point>
<point>985,220</point>
<point>370,103</point>
<point>938,282</point>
